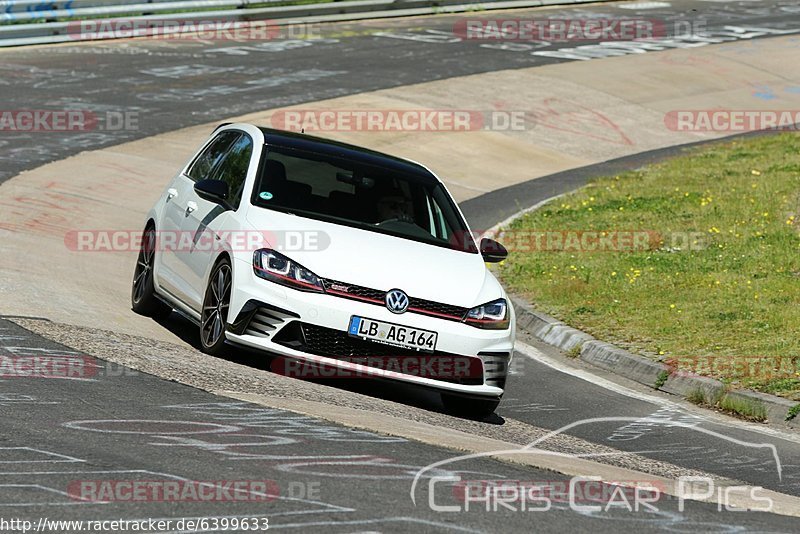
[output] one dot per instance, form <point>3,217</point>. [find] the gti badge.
<point>396,301</point>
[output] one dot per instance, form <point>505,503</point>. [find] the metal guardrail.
<point>70,12</point>
<point>92,9</point>
<point>16,6</point>
<point>64,30</point>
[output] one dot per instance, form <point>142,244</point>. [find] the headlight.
<point>491,316</point>
<point>277,268</point>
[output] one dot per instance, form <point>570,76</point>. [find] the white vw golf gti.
<point>330,257</point>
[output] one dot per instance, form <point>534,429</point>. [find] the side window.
<point>204,164</point>
<point>233,167</point>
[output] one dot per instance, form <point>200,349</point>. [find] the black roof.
<point>330,147</point>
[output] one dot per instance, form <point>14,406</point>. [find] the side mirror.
<point>492,251</point>
<point>214,191</point>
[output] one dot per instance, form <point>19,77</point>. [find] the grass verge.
<point>749,409</point>
<point>714,281</point>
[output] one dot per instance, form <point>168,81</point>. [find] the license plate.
<point>392,334</point>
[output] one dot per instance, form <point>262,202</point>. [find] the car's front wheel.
<point>143,292</point>
<point>215,308</point>
<point>469,407</point>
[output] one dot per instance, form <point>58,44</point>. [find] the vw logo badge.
<point>396,301</point>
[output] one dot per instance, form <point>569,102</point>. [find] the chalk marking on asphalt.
<point>696,428</point>
<point>61,457</point>
<point>91,472</point>
<point>535,354</point>
<point>662,418</point>
<point>644,5</point>
<point>82,425</point>
<point>43,488</point>
<point>481,447</point>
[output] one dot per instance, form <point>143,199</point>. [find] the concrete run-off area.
<point>580,113</point>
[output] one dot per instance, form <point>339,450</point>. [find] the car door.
<point>180,202</point>
<point>168,225</point>
<point>205,220</point>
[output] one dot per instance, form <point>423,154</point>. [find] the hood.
<point>377,261</point>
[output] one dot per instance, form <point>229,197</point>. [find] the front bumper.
<point>256,326</point>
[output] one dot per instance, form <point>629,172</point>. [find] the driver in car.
<point>394,206</point>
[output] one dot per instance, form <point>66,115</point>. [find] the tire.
<point>214,315</point>
<point>143,291</point>
<point>468,407</point>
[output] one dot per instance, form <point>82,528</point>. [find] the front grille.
<point>341,289</point>
<point>340,345</point>
<point>376,296</point>
<point>428,307</point>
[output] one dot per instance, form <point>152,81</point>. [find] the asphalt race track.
<point>318,475</point>
<point>116,424</point>
<point>175,84</point>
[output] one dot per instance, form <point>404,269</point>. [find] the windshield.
<point>378,199</point>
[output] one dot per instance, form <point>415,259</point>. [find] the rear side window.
<point>232,167</point>
<point>202,167</point>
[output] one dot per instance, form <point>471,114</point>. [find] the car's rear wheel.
<point>215,308</point>
<point>143,292</point>
<point>469,407</point>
